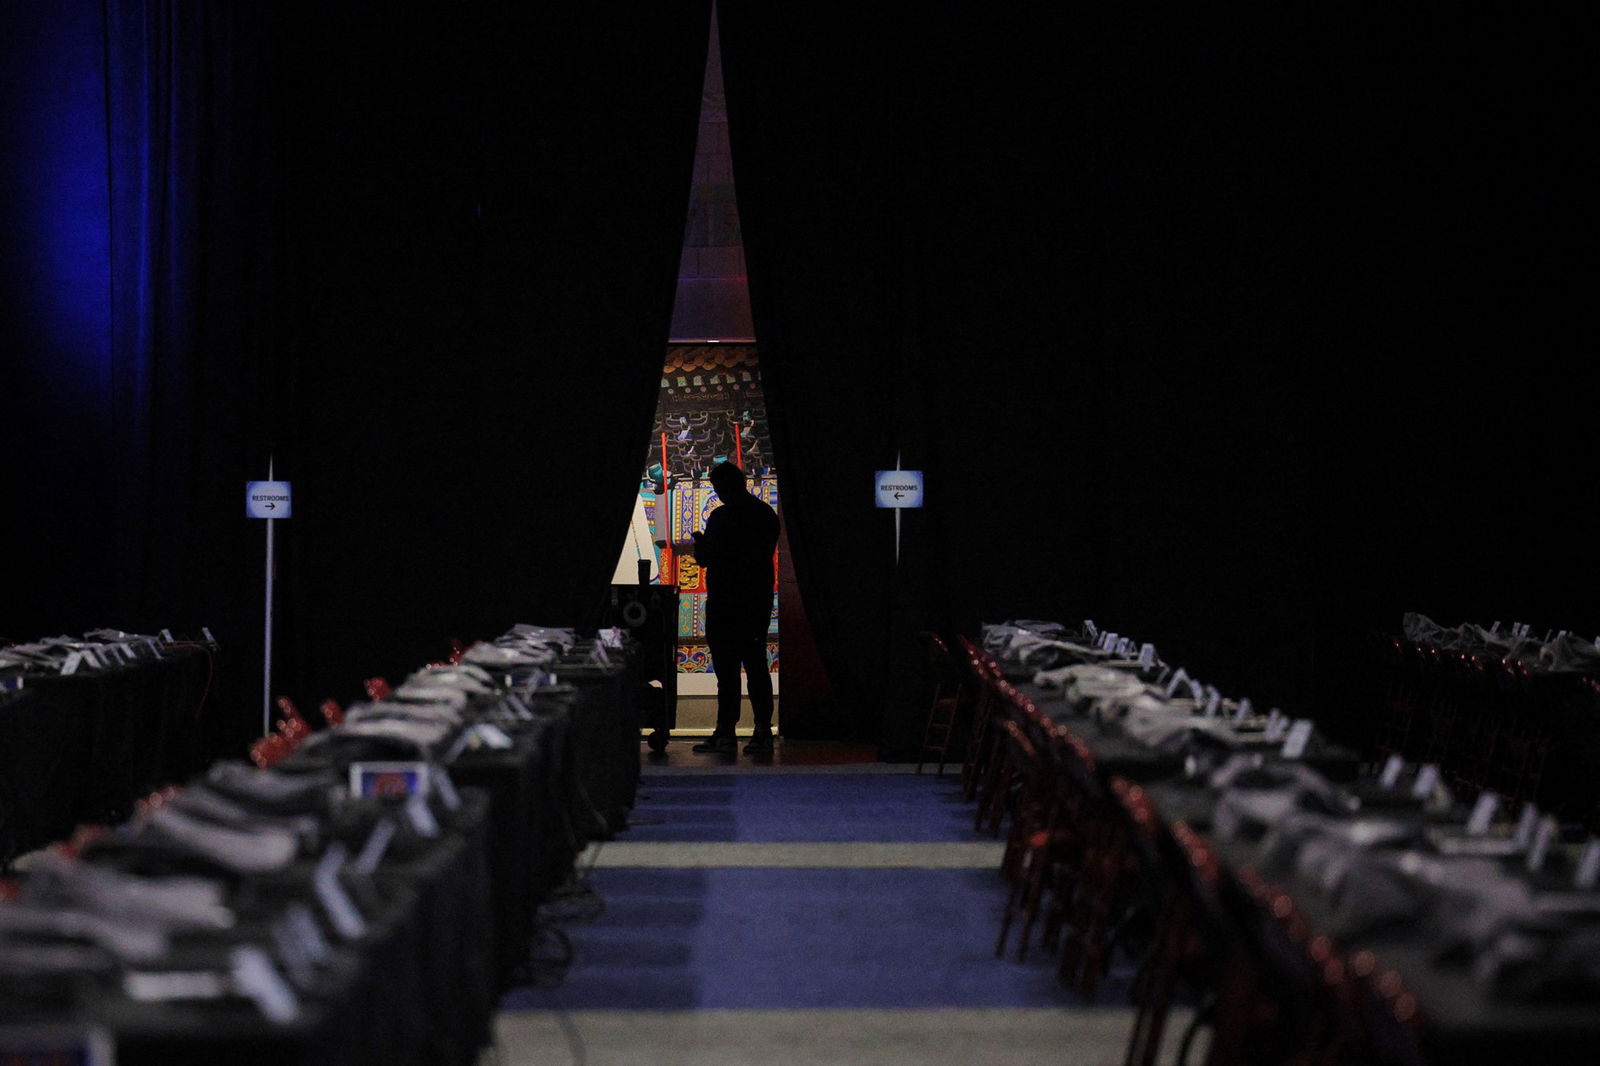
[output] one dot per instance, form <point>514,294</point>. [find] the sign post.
<point>271,501</point>
<point>898,489</point>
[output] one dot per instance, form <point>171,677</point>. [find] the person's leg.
<point>759,682</point>
<point>725,661</point>
<point>758,679</point>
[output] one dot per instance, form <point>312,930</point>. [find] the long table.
<point>1465,1022</point>
<point>450,920</point>
<point>81,748</point>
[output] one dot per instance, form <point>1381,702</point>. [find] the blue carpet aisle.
<point>801,916</point>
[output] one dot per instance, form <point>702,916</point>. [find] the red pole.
<point>669,572</point>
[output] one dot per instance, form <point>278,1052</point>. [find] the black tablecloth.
<point>80,749</point>
<point>1466,1023</point>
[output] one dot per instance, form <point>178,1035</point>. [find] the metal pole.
<point>897,467</point>
<point>266,663</point>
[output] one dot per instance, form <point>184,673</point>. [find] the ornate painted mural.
<point>711,411</point>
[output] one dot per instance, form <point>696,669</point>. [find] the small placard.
<point>1147,654</point>
<point>898,488</point>
<point>446,789</point>
<point>1213,702</point>
<point>1089,628</point>
<point>372,852</point>
<point>1108,641</point>
<point>1588,869</point>
<point>1179,676</point>
<point>1392,766</point>
<point>306,930</point>
<point>292,954</point>
<point>1427,780</point>
<point>1294,745</point>
<point>1246,711</point>
<point>1526,821</point>
<point>267,499</point>
<point>69,666</point>
<point>1543,837</point>
<point>255,977</point>
<point>420,815</point>
<point>388,778</point>
<point>1483,812</point>
<point>492,736</point>
<point>336,902</point>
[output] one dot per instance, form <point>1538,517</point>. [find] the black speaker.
<point>649,615</point>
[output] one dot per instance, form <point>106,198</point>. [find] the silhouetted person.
<point>736,552</point>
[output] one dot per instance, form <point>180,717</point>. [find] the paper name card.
<point>420,815</point>
<point>1294,745</point>
<point>330,891</point>
<point>1543,837</point>
<point>446,789</point>
<point>291,953</point>
<point>371,854</point>
<point>1213,703</point>
<point>1588,871</point>
<point>255,977</point>
<point>1147,654</point>
<point>1427,780</point>
<point>1392,766</point>
<point>306,930</point>
<point>1483,813</point>
<point>160,986</point>
<point>1525,825</point>
<point>1178,677</point>
<point>388,778</point>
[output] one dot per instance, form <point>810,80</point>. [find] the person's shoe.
<point>719,745</point>
<point>759,744</point>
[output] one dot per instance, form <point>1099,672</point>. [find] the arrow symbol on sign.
<point>899,495</point>
<point>271,506</point>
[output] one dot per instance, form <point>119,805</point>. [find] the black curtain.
<point>1050,254</point>
<point>145,150</point>
<point>1238,336</point>
<point>1458,404</point>
<point>811,95</point>
<point>423,257</point>
<point>486,210</point>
